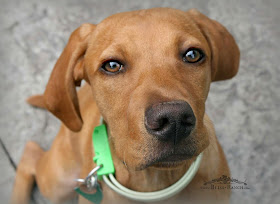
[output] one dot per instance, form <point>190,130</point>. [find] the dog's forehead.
<point>152,29</point>
<point>150,22</point>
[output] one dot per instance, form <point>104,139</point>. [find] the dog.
<point>148,74</point>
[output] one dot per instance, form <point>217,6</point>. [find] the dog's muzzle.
<point>170,121</point>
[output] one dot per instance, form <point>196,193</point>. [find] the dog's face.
<point>136,61</point>
<point>150,73</point>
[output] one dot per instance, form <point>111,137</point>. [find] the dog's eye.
<point>112,66</point>
<point>193,55</point>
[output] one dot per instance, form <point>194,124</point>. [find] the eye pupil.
<point>193,55</point>
<point>112,66</point>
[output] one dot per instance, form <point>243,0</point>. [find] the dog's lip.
<point>175,158</point>
<point>169,161</point>
<point>172,160</point>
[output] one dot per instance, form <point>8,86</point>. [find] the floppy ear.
<point>60,96</point>
<point>225,52</point>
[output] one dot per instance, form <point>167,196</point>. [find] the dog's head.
<point>150,73</point>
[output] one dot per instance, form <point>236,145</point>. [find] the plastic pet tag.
<point>94,195</point>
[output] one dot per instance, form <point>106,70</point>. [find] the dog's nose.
<point>171,121</point>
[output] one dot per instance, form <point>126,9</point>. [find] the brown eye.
<point>112,66</point>
<point>193,55</point>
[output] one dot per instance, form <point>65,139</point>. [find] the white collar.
<point>156,195</point>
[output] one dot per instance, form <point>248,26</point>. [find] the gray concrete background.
<point>245,110</point>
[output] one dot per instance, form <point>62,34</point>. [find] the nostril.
<point>186,120</point>
<point>157,125</point>
<point>163,122</point>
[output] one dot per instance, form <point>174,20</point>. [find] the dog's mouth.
<point>172,161</point>
<point>175,158</point>
<point>167,155</point>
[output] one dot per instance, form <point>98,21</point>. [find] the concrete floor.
<point>244,110</point>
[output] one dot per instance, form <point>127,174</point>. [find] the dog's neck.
<point>149,179</point>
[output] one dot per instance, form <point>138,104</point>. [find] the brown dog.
<point>148,74</point>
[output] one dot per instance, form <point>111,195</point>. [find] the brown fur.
<point>150,44</point>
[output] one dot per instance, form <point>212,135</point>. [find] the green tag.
<point>102,151</point>
<point>95,198</point>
